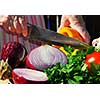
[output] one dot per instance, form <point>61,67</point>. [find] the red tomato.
<point>93,57</point>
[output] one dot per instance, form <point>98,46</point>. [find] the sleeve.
<point>33,19</point>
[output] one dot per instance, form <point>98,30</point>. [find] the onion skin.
<point>17,79</point>
<point>29,64</point>
<point>15,52</point>
<point>21,80</point>
<point>44,57</point>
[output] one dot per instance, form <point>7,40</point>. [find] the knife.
<point>52,37</point>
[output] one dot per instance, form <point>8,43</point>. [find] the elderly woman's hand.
<point>14,23</point>
<point>76,22</point>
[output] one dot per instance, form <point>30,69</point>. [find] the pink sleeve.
<point>5,37</point>
<point>35,20</point>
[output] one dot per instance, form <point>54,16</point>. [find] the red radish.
<point>44,57</point>
<point>28,76</point>
<point>14,52</point>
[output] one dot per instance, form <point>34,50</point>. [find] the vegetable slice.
<point>44,57</point>
<point>28,76</point>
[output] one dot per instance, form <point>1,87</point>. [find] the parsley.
<point>75,71</point>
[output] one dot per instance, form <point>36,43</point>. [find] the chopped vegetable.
<point>74,52</point>
<point>75,71</point>
<point>67,31</point>
<point>93,58</point>
<point>62,49</point>
<point>28,76</point>
<point>44,57</point>
<point>71,33</point>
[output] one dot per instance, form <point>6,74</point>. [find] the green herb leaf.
<point>71,82</point>
<point>90,49</point>
<point>75,71</point>
<point>78,78</point>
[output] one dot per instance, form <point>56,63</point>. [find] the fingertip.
<point>25,33</point>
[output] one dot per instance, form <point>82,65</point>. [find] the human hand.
<point>14,23</point>
<point>76,22</point>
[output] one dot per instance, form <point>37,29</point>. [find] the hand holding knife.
<point>38,33</point>
<point>51,37</point>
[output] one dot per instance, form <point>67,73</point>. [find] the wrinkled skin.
<point>17,24</point>
<point>14,23</point>
<point>76,22</point>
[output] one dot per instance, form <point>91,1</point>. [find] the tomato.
<point>92,58</point>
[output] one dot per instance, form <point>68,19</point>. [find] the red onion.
<point>15,52</point>
<point>28,76</point>
<point>44,57</point>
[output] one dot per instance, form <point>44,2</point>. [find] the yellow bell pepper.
<point>67,31</point>
<point>71,33</point>
<point>62,49</point>
<point>74,52</point>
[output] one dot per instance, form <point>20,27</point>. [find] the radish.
<point>28,76</point>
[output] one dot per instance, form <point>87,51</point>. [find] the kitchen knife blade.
<point>52,37</point>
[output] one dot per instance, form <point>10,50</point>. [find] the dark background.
<point>92,24</point>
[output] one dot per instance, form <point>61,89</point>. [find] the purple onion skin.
<point>17,79</point>
<point>13,51</point>
<point>35,61</point>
